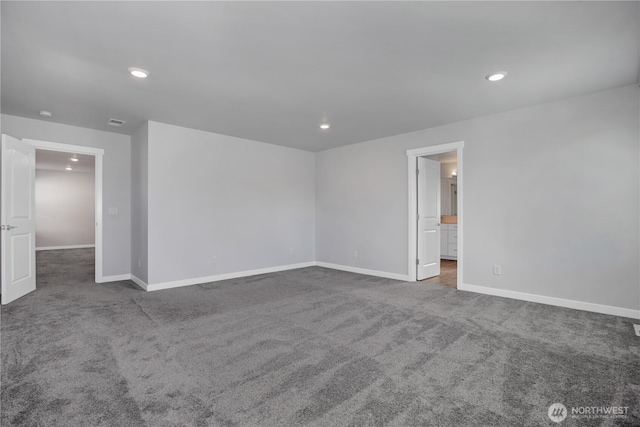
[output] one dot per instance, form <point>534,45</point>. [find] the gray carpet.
<point>310,347</point>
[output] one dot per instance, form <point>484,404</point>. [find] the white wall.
<point>568,227</point>
<point>65,208</point>
<point>245,202</point>
<point>116,184</point>
<point>551,194</point>
<point>139,202</point>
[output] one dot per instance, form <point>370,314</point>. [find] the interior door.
<point>428,217</point>
<point>17,234</point>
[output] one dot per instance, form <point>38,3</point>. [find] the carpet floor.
<point>312,347</point>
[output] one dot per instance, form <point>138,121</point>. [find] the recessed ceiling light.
<point>74,159</point>
<point>494,77</point>
<point>139,72</point>
<point>325,126</point>
<point>46,114</point>
<point>68,168</point>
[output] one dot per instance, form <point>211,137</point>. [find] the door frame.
<point>412,156</point>
<point>97,153</point>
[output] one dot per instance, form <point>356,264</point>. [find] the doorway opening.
<point>436,214</point>
<point>448,219</point>
<point>72,228</point>
<point>64,211</point>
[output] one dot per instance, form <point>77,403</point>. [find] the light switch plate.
<point>113,211</point>
<point>637,329</point>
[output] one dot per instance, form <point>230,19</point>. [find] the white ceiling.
<point>58,161</point>
<point>448,157</point>
<point>272,71</point>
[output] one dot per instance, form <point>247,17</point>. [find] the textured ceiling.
<point>272,71</point>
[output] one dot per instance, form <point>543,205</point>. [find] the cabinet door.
<point>453,249</point>
<point>452,237</point>
<point>444,239</point>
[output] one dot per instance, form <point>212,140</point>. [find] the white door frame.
<point>412,155</point>
<point>97,153</point>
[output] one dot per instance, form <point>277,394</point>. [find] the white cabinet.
<point>449,241</point>
<point>444,240</point>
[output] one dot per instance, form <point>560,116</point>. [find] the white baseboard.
<point>121,277</point>
<point>115,278</point>
<point>368,272</point>
<point>522,296</point>
<point>218,277</point>
<point>139,282</point>
<point>559,302</point>
<point>55,248</point>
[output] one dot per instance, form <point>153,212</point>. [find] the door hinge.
<point>417,262</point>
<point>417,171</point>
<point>418,215</point>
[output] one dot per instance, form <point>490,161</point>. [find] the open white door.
<point>18,234</point>
<point>428,176</point>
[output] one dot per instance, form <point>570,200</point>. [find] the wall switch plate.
<point>637,329</point>
<point>497,269</point>
<point>139,262</point>
<point>213,259</point>
<point>355,254</point>
<point>291,251</point>
<point>113,211</point>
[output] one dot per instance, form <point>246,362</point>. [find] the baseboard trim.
<point>115,278</point>
<point>219,277</point>
<point>199,280</point>
<point>522,296</point>
<point>359,270</point>
<point>55,248</point>
<point>141,283</point>
<point>559,302</point>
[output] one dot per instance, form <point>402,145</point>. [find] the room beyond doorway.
<point>64,200</point>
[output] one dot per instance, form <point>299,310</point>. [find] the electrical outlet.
<point>497,269</point>
<point>213,260</point>
<point>355,254</point>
